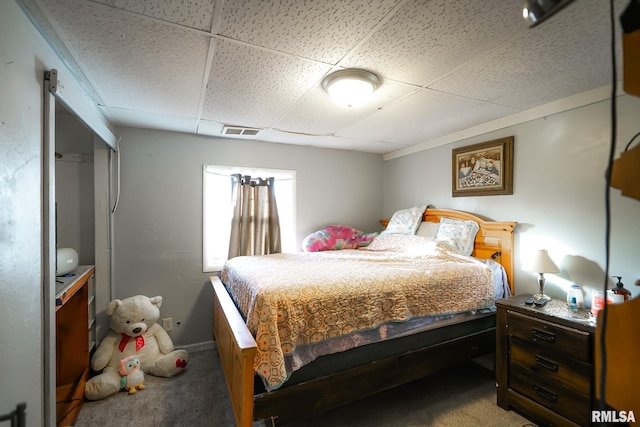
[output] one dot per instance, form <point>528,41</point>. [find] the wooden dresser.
<point>75,338</point>
<point>544,361</point>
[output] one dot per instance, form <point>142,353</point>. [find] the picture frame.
<point>484,169</point>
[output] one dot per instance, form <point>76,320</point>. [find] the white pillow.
<point>428,229</point>
<point>405,221</point>
<point>458,234</point>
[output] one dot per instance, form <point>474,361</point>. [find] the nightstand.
<point>544,361</point>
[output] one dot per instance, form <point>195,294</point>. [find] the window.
<point>216,206</point>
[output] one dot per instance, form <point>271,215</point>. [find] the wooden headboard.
<point>493,241</point>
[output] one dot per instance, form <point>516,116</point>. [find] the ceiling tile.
<point>380,147</point>
<point>425,115</point>
<point>247,88</point>
<point>191,13</point>
<point>142,119</point>
<point>320,30</point>
<point>207,127</point>
<point>138,64</point>
<point>566,55</point>
<point>426,39</point>
<point>322,141</point>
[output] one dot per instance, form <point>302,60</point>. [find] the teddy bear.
<point>133,332</point>
<point>132,376</point>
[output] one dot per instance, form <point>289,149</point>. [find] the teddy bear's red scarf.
<point>125,339</point>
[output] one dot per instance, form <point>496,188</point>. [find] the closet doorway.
<point>79,178</point>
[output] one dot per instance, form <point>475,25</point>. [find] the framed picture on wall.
<point>484,169</point>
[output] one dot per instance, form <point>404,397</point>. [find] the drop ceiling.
<point>196,66</point>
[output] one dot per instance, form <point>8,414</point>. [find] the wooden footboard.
<point>237,350</point>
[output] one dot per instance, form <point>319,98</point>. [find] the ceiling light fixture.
<point>351,87</point>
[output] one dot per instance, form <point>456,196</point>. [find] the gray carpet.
<point>464,396</point>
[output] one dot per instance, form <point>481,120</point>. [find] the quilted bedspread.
<point>296,299</point>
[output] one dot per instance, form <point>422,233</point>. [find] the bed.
<point>399,349</point>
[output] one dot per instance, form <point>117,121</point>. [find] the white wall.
<point>158,239</point>
<point>558,197</point>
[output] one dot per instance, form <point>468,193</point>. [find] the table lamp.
<point>541,263</point>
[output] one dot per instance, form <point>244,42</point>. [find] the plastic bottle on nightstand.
<point>575,292</point>
<point>574,304</point>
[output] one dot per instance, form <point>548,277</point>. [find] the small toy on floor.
<point>132,376</point>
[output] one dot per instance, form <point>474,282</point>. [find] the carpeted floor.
<point>464,396</point>
<point>196,397</point>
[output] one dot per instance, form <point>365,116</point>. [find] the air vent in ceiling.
<point>239,131</point>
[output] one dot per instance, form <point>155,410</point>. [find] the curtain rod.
<point>230,175</point>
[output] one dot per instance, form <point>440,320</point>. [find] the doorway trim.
<point>87,112</point>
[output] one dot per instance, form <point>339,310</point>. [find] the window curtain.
<point>255,225</point>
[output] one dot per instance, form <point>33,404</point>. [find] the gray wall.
<point>158,238</point>
<point>558,197</point>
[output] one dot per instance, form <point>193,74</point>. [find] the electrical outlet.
<point>167,324</point>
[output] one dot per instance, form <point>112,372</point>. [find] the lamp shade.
<point>351,88</point>
<point>540,262</point>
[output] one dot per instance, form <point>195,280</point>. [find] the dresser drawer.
<point>554,367</point>
<point>551,338</point>
<point>551,394</point>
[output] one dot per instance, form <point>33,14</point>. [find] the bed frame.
<point>237,348</point>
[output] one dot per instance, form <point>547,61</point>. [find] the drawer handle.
<point>543,335</point>
<point>546,363</point>
<point>549,395</point>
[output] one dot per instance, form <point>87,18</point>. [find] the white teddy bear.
<point>134,332</point>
